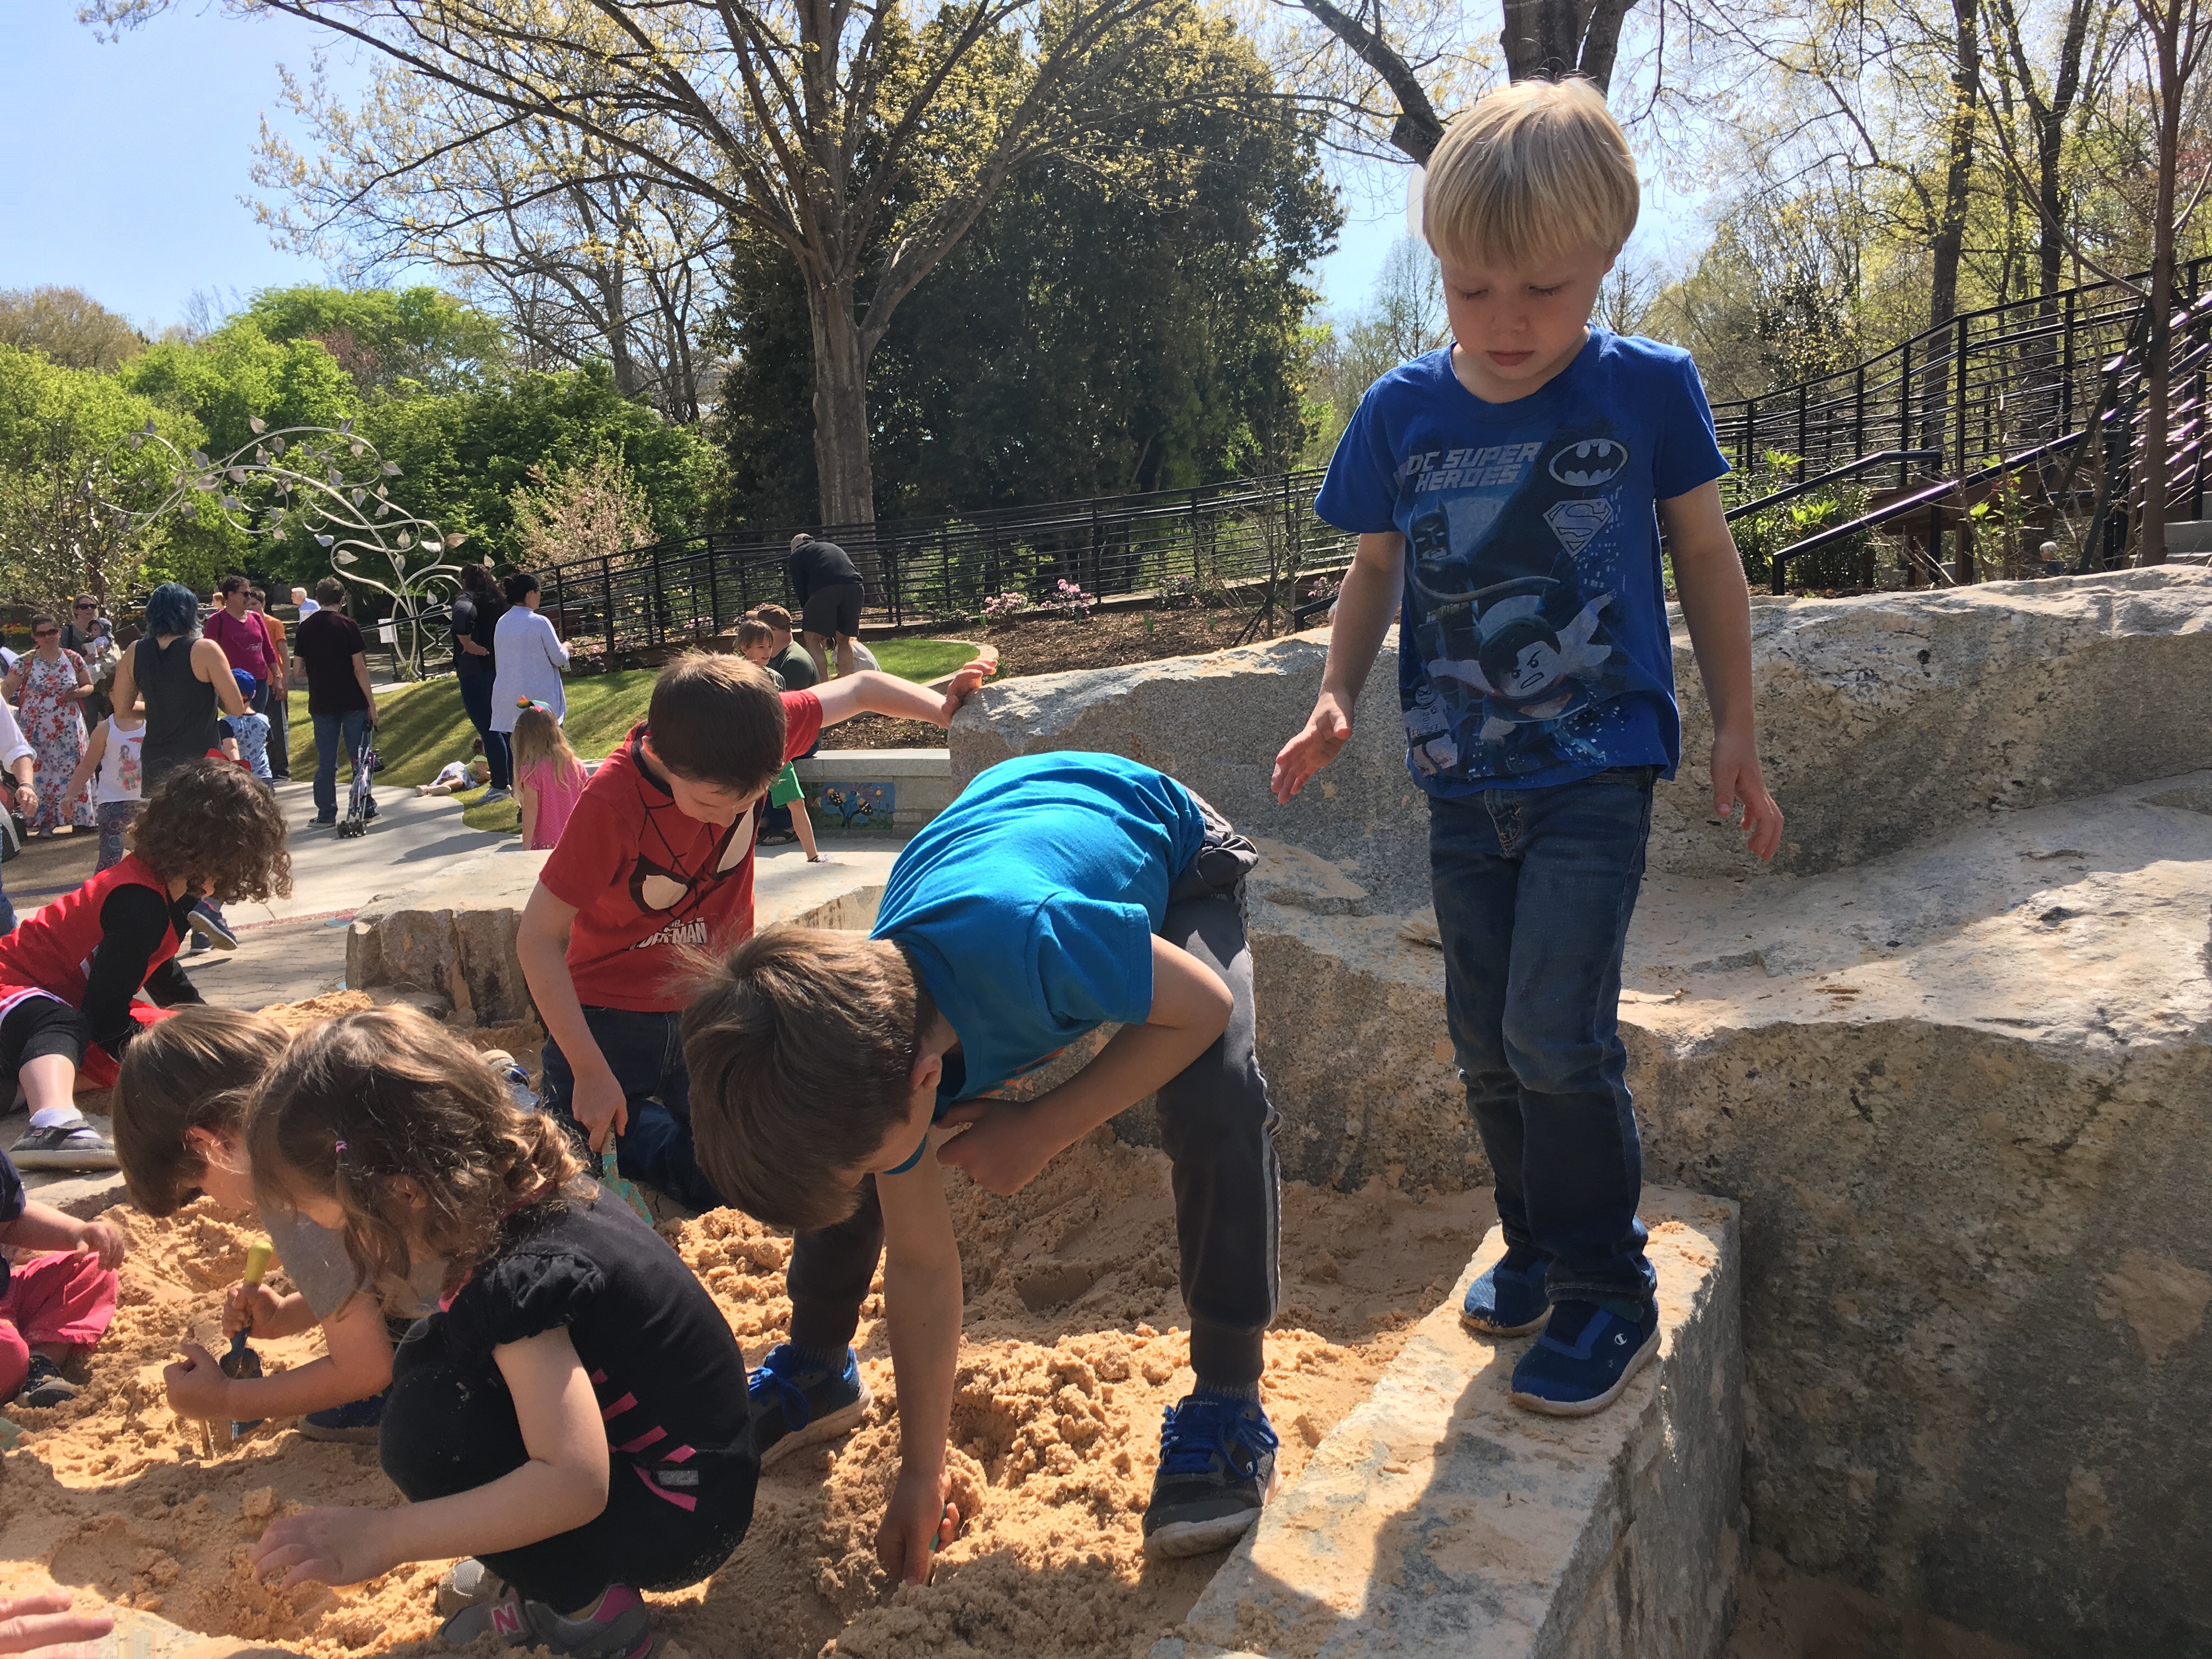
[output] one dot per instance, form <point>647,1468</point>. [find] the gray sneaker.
<point>45,1385</point>
<point>75,1146</point>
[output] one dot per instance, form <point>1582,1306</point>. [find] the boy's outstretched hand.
<point>1737,778</point>
<point>966,682</point>
<point>1327,731</point>
<point>919,1521</point>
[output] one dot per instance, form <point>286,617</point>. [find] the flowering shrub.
<point>1008,603</point>
<point>1068,600</point>
<point>1179,591</point>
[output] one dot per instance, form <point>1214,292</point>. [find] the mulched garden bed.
<point>1053,646</point>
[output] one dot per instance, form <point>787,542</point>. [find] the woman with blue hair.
<point>184,679</point>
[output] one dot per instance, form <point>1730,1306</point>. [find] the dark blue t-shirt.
<point>1533,638</point>
<point>1029,906</point>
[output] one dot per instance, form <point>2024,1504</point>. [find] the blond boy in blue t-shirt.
<point>1509,493</point>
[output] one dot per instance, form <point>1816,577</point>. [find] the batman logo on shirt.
<point>1589,463</point>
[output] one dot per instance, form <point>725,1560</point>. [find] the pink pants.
<point>64,1298</point>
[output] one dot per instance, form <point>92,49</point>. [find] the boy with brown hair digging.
<point>656,864</point>
<point>1061,892</point>
<point>1508,493</point>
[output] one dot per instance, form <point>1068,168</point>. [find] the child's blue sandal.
<point>1507,1299</point>
<point>1586,1358</point>
<point>794,1406</point>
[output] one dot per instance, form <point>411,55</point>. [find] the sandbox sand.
<point>1071,1350</point>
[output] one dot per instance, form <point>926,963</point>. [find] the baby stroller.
<point>359,806</point>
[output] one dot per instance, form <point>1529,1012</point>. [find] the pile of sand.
<point>1072,1350</point>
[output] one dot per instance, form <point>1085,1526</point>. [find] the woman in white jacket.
<point>530,655</point>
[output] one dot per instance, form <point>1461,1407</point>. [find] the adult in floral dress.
<point>48,687</point>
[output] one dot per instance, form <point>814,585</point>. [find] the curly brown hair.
<point>211,824</point>
<point>386,1106</point>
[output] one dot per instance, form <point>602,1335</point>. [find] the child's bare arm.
<point>526,801</point>
<point>872,692</point>
<point>95,747</point>
<point>358,1364</point>
<point>921,1304</point>
<point>1007,1143</point>
<point>1366,604</point>
<point>563,1485</point>
<point>43,1228</point>
<point>1716,606</point>
<point>541,944</point>
<point>257,1308</point>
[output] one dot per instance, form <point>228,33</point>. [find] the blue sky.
<point>127,161</point>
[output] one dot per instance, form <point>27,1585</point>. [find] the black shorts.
<point>832,610</point>
<point>39,1025</point>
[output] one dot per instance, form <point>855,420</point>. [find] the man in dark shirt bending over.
<point>827,585</point>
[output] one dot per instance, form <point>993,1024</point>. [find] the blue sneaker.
<point>208,928</point>
<point>357,1422</point>
<point>793,1408</point>
<point>1508,1299</point>
<point>1217,1471</point>
<point>1581,1364</point>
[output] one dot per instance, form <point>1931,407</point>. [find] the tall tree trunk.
<point>2049,144</point>
<point>2152,451</point>
<point>1559,38</point>
<point>1959,165</point>
<point>844,475</point>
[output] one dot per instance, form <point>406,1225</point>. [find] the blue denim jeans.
<point>646,1052</point>
<point>330,731</point>
<point>1534,889</point>
<point>476,703</point>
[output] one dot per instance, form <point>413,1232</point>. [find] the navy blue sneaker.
<point>1508,1299</point>
<point>357,1421</point>
<point>209,926</point>
<point>1217,1471</point>
<point>793,1408</point>
<point>1581,1364</point>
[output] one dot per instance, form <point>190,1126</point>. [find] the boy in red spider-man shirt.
<point>656,862</point>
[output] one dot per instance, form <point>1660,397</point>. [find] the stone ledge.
<point>878,763</point>
<point>1439,1518</point>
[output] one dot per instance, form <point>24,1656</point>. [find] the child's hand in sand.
<point>198,1391</point>
<point>39,1624</point>
<point>328,1547</point>
<point>1004,1146</point>
<point>919,1520</point>
<point>103,1239</point>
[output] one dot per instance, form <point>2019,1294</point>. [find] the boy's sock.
<point>1247,1394</point>
<point>1623,1308</point>
<point>810,1360</point>
<point>50,1117</point>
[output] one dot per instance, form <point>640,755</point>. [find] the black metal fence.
<point>944,570</point>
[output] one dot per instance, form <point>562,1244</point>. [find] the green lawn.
<point>422,726</point>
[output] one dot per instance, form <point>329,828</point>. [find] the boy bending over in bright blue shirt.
<point>1503,491</point>
<point>1059,893</point>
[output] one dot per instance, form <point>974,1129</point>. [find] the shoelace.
<point>773,1380</point>
<point>1194,1434</point>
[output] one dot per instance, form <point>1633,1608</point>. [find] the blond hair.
<point>1533,173</point>
<point>538,740</point>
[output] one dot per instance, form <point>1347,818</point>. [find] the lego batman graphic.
<point>1510,582</point>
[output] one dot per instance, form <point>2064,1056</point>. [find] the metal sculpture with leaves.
<point>299,477</point>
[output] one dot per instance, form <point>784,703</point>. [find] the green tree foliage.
<point>1133,321</point>
<point>71,328</point>
<point>1402,319</point>
<point>64,459</point>
<point>238,373</point>
<point>390,340</point>
<point>463,457</point>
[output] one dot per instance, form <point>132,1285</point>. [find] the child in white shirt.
<point>111,752</point>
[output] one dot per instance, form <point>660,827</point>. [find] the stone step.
<point>877,792</point>
<point>1440,1519</point>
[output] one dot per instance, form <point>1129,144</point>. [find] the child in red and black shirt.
<point>656,862</point>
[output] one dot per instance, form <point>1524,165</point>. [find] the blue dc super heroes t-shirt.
<point>1029,905</point>
<point>1533,638</point>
